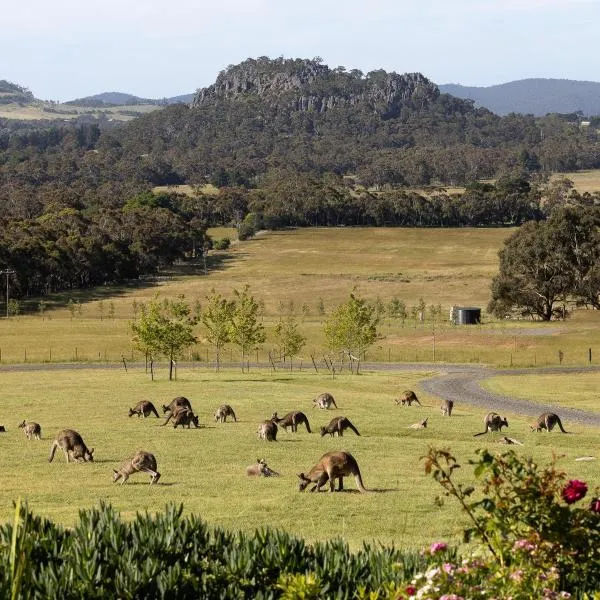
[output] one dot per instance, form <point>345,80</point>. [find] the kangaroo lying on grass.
<point>446,407</point>
<point>324,401</point>
<point>267,431</point>
<point>408,397</point>
<point>493,422</point>
<point>332,466</point>
<point>260,469</point>
<point>32,430</point>
<point>179,401</point>
<point>143,408</point>
<point>142,462</point>
<point>547,421</point>
<point>292,419</point>
<point>337,425</point>
<point>223,412</point>
<point>185,416</point>
<point>72,445</point>
<point>421,425</point>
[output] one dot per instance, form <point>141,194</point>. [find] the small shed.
<point>466,315</point>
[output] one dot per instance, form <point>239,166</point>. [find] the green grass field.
<point>205,468</point>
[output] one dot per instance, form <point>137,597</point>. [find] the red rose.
<point>595,505</point>
<point>574,490</point>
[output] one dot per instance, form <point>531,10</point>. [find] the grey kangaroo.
<point>332,466</point>
<point>446,407</point>
<point>292,419</point>
<point>142,462</point>
<point>177,409</point>
<point>267,431</point>
<point>179,401</point>
<point>32,430</point>
<point>185,416</point>
<point>493,422</point>
<point>223,412</point>
<point>547,421</point>
<point>324,401</point>
<point>337,425</point>
<point>143,408</point>
<point>260,469</point>
<point>408,397</point>
<point>72,445</point>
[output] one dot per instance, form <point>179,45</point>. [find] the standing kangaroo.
<point>176,410</point>
<point>267,431</point>
<point>32,430</point>
<point>446,407</point>
<point>547,421</point>
<point>493,422</point>
<point>179,401</point>
<point>408,397</point>
<point>332,466</point>
<point>185,416</point>
<point>223,412</point>
<point>142,461</point>
<point>72,445</point>
<point>260,469</point>
<point>324,401</point>
<point>143,408</point>
<point>337,425</point>
<point>292,419</point>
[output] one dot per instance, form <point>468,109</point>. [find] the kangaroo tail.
<point>153,410</point>
<point>234,417</point>
<point>333,402</point>
<point>481,433</point>
<point>560,425</point>
<point>307,426</point>
<point>52,451</point>
<point>359,481</point>
<point>353,428</point>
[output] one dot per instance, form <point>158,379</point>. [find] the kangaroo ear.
<point>91,451</point>
<point>115,472</point>
<point>301,476</point>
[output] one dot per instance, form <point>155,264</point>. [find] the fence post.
<point>124,363</point>
<point>589,356</point>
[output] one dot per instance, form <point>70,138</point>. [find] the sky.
<point>67,49</point>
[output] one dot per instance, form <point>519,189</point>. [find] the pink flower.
<point>438,547</point>
<point>595,505</point>
<point>574,490</point>
<point>448,568</point>
<point>517,575</point>
<point>451,597</point>
<point>523,545</point>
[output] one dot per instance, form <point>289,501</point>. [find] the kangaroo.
<point>143,408</point>
<point>292,419</point>
<point>223,412</point>
<point>32,430</point>
<point>547,421</point>
<point>72,445</point>
<point>267,431</point>
<point>185,416</point>
<point>332,466</point>
<point>493,422</point>
<point>446,407</point>
<point>408,397</point>
<point>179,401</point>
<point>142,461</point>
<point>177,409</point>
<point>324,401</point>
<point>338,425</point>
<point>420,425</point>
<point>260,468</point>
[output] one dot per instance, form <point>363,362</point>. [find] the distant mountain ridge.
<point>122,99</point>
<point>533,96</point>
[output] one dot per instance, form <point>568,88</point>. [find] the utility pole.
<point>7,272</point>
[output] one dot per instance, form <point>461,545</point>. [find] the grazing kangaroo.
<point>185,416</point>
<point>32,430</point>
<point>446,407</point>
<point>338,425</point>
<point>223,412</point>
<point>72,445</point>
<point>179,401</point>
<point>408,397</point>
<point>176,410</point>
<point>260,468</point>
<point>324,401</point>
<point>547,421</point>
<point>142,462</point>
<point>267,431</point>
<point>292,419</point>
<point>143,408</point>
<point>493,422</point>
<point>332,466</point>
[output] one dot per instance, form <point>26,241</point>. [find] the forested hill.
<point>533,96</point>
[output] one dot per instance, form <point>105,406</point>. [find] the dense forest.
<point>286,143</point>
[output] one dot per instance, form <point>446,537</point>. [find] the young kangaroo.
<point>142,461</point>
<point>267,431</point>
<point>185,417</point>
<point>260,468</point>
<point>223,412</point>
<point>179,401</point>
<point>292,419</point>
<point>72,445</point>
<point>176,410</point>
<point>338,425</point>
<point>324,401</point>
<point>332,466</point>
<point>446,407</point>
<point>408,397</point>
<point>31,430</point>
<point>143,408</point>
<point>493,422</point>
<point>547,421</point>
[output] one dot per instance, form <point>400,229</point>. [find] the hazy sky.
<point>69,49</point>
